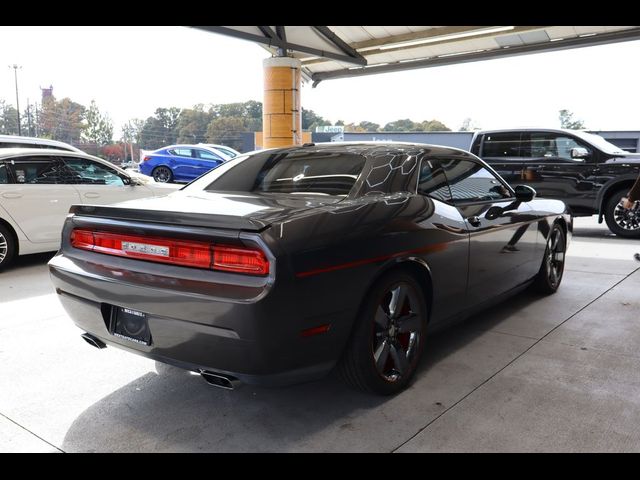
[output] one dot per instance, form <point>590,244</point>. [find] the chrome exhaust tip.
<point>220,380</point>
<point>93,341</point>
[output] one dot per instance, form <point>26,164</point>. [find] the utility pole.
<point>15,75</point>
<point>29,117</point>
<point>36,119</point>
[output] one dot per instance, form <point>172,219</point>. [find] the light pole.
<point>15,75</point>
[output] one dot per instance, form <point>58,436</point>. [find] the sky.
<point>131,71</point>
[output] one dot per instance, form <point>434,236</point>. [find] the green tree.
<point>193,123</point>
<point>227,131</point>
<point>8,119</point>
<point>99,127</point>
<point>369,126</point>
<point>161,129</point>
<point>61,120</point>
<point>250,112</point>
<point>566,121</point>
<point>433,126</point>
<point>310,120</point>
<point>404,125</point>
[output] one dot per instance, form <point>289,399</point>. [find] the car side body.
<point>321,242</point>
<point>181,163</point>
<point>38,186</point>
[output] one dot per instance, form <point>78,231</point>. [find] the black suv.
<point>584,170</point>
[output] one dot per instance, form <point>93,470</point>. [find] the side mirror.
<point>524,193</point>
<point>579,153</point>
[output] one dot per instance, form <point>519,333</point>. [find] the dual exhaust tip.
<point>219,380</point>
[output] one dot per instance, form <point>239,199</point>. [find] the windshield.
<point>600,142</point>
<point>298,172</point>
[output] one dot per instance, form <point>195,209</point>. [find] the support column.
<point>281,111</point>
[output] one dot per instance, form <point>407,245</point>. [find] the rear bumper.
<point>257,340</point>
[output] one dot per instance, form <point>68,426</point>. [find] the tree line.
<point>92,130</point>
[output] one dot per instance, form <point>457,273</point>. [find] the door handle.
<point>12,195</point>
<point>474,221</point>
<point>91,195</point>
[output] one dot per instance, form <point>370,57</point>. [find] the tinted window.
<point>88,172</point>
<point>501,145</point>
<point>40,171</point>
<point>433,182</point>
<point>292,172</point>
<point>549,145</point>
<point>470,181</point>
<point>181,152</point>
<point>228,152</point>
<point>207,155</point>
<point>3,173</point>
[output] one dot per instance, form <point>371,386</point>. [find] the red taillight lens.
<point>146,159</point>
<point>241,260</point>
<point>188,253</point>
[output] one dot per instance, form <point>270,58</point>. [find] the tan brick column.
<point>281,111</point>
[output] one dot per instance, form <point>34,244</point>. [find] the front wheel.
<point>621,221</point>
<point>162,174</point>
<point>552,268</point>
<point>388,339</point>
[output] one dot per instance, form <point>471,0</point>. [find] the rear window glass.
<point>3,173</point>
<point>323,173</point>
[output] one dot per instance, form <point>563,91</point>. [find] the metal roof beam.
<point>338,42</point>
<point>577,42</point>
<point>276,42</point>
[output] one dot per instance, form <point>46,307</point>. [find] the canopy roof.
<point>349,51</point>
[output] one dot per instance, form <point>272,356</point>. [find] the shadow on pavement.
<point>177,411</point>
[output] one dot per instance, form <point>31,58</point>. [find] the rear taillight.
<point>187,253</point>
<point>241,260</point>
<point>146,159</point>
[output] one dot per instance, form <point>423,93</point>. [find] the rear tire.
<point>550,275</point>
<point>162,174</point>
<point>622,222</point>
<point>8,247</point>
<point>388,337</point>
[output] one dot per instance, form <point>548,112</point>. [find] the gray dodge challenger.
<point>281,265</point>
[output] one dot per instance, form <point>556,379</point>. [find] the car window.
<point>207,155</point>
<point>550,145</point>
<point>328,173</point>
<point>40,170</point>
<point>501,145</point>
<point>4,176</point>
<point>88,172</point>
<point>228,152</point>
<point>471,182</point>
<point>181,152</point>
<point>432,181</point>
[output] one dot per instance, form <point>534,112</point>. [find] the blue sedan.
<point>181,163</point>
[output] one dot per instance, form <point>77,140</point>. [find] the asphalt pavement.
<point>535,374</point>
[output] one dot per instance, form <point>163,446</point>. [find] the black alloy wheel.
<point>388,340</point>
<point>622,221</point>
<point>162,174</point>
<point>550,274</point>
